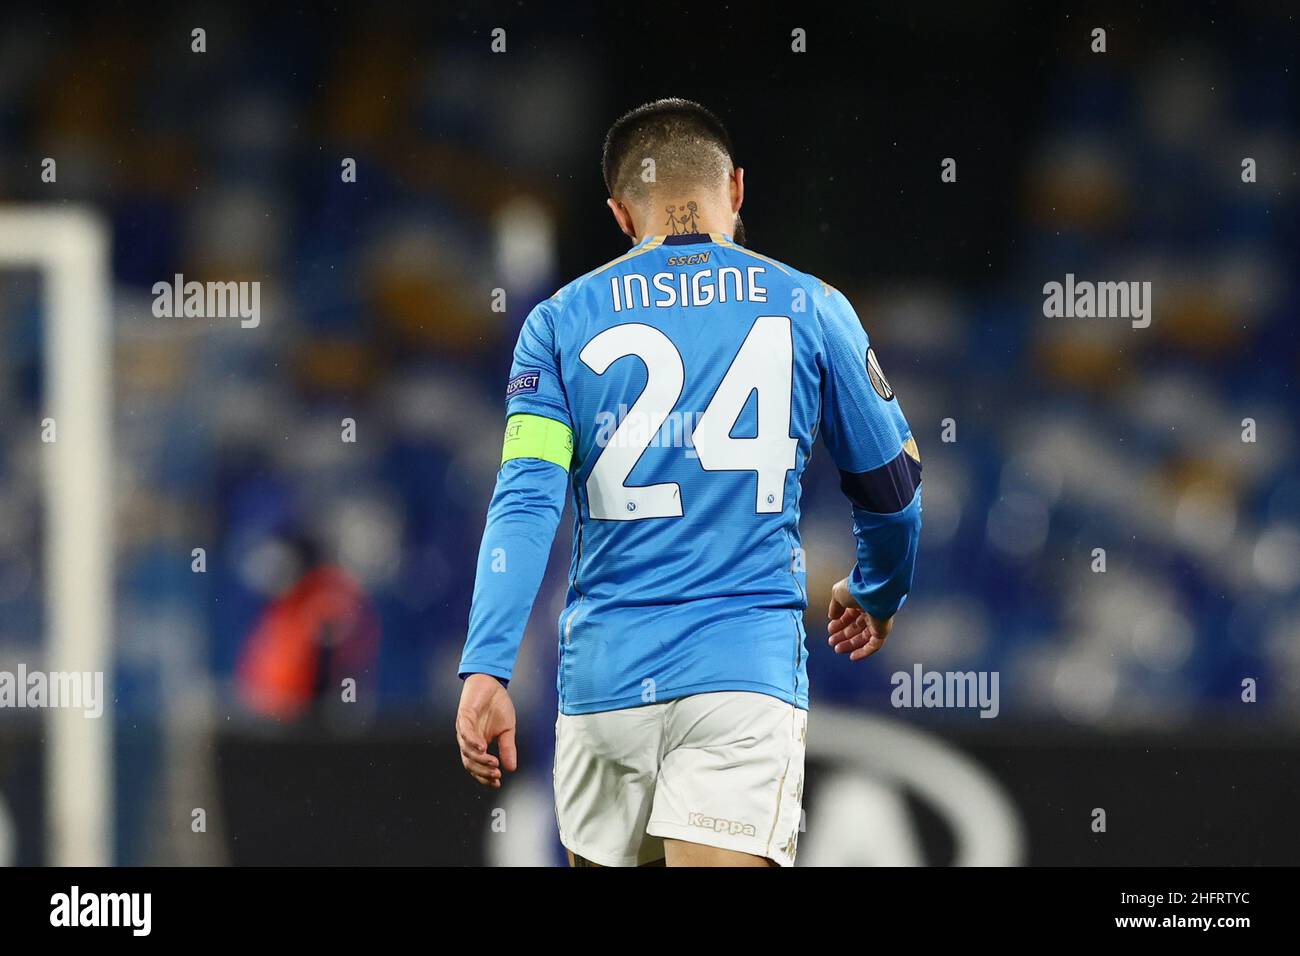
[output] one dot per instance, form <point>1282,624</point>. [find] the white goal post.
<point>69,247</point>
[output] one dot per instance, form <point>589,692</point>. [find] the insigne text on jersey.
<point>665,290</point>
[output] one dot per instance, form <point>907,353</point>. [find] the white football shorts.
<point>722,769</point>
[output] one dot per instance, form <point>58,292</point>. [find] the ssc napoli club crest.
<point>878,380</point>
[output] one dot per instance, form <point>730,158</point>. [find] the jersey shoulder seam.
<point>566,291</point>
<point>808,281</point>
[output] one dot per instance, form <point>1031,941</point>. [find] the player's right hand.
<point>486,713</point>
<point>852,630</point>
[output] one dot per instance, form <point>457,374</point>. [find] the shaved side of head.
<point>666,147</point>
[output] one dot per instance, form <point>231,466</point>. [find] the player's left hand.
<point>486,714</point>
<point>852,630</point>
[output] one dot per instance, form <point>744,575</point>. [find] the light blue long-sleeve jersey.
<point>683,385</point>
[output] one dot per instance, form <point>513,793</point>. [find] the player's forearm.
<point>887,545</point>
<point>521,522</point>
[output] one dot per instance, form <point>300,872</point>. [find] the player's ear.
<point>622,217</point>
<point>737,189</point>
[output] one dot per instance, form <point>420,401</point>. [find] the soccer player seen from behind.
<point>675,394</point>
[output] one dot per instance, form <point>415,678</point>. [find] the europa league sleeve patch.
<point>878,380</point>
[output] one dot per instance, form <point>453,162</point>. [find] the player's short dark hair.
<point>688,143</point>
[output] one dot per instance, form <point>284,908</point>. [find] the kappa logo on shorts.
<point>719,825</point>
<point>525,383</point>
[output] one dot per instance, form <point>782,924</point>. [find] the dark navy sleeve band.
<point>886,489</point>
<point>879,462</point>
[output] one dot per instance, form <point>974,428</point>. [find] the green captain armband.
<point>532,436</point>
